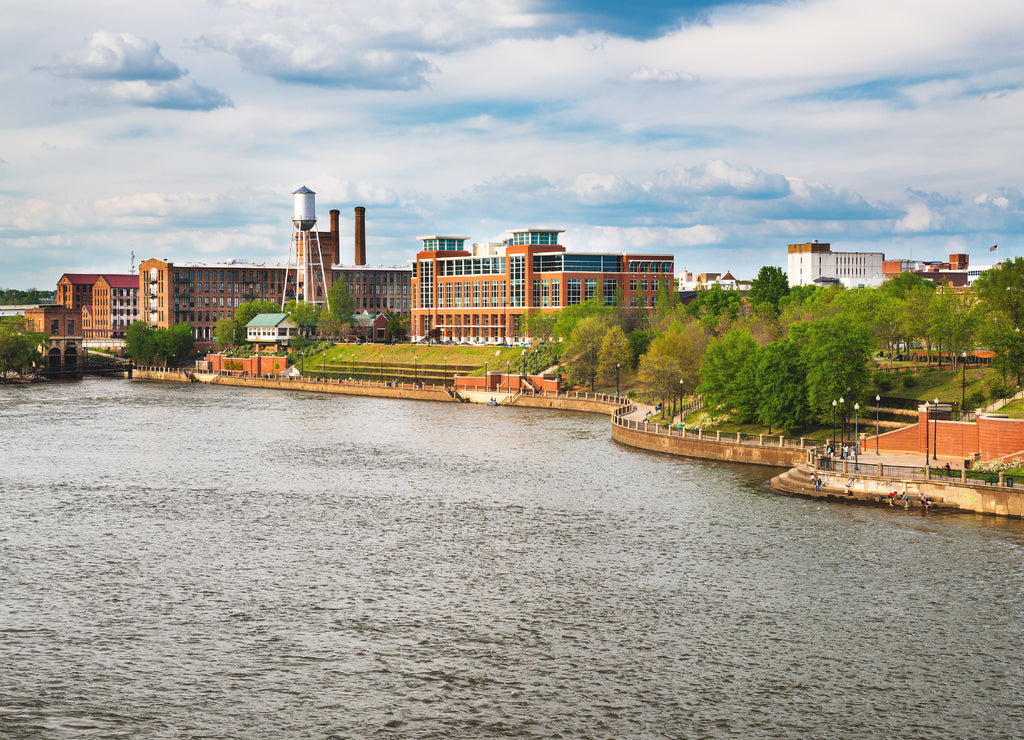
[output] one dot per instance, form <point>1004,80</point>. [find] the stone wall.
<point>710,449</point>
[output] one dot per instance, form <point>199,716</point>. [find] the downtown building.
<point>814,263</point>
<point>107,304</point>
<point>484,293</point>
<point>201,293</point>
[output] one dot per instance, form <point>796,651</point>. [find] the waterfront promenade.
<point>866,480</point>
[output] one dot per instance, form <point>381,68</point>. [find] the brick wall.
<point>992,437</point>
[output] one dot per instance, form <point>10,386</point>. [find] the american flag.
<point>993,248</point>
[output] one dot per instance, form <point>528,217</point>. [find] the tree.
<point>174,344</point>
<point>834,351</point>
<point>246,313</point>
<point>570,316</point>
<point>224,333</point>
<point>341,304</point>
<point>1002,290</point>
<point>614,354</point>
<point>304,315</point>
<point>19,345</point>
<point>139,342</point>
<point>398,328</point>
<point>716,308</point>
<point>541,324</point>
<point>583,348</point>
<point>330,326</point>
<point>671,366</point>
<point>723,385</point>
<point>782,387</point>
<point>639,341</point>
<point>953,323</point>
<point>769,287</point>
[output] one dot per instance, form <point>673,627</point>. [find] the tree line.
<point>781,355</point>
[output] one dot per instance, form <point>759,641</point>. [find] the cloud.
<point>174,95</point>
<point>653,74</point>
<point>310,60</point>
<point>919,217</point>
<point>717,178</point>
<point>117,56</point>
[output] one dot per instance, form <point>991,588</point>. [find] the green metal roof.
<point>267,319</point>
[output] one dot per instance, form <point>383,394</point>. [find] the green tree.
<point>614,354</point>
<point>834,351</point>
<point>715,308</point>
<point>20,347</point>
<point>341,304</point>
<point>953,323</point>
<point>246,313</point>
<point>304,315</point>
<point>639,341</point>
<point>782,387</point>
<point>769,287</point>
<point>583,349</point>
<point>570,316</point>
<point>224,333</point>
<point>671,367</point>
<point>139,342</point>
<point>330,326</point>
<point>173,344</point>
<point>398,328</point>
<point>723,386</point>
<point>541,324</point>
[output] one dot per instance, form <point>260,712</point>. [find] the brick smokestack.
<point>335,237</point>
<point>360,235</point>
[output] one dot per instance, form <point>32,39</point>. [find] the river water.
<point>195,561</point>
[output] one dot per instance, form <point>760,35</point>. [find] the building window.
<point>609,292</point>
<point>573,292</point>
<point>589,288</point>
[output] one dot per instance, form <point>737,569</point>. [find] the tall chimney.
<point>335,237</point>
<point>360,235</point>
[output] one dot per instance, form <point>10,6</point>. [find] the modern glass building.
<point>483,293</point>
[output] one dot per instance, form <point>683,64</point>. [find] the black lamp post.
<point>415,369</point>
<point>508,377</point>
<point>616,380</point>
<point>842,421</point>
<point>382,368</point>
<point>927,418</point>
<point>680,399</point>
<point>833,422</point>
<point>445,372</point>
<point>856,436</point>
<point>878,400</point>
<point>963,381</point>
<point>935,440</point>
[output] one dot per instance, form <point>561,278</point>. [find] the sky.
<point>716,131</point>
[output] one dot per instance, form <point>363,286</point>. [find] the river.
<point>196,561</point>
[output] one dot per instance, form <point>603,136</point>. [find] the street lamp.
<point>446,371</point>
<point>935,440</point>
<point>856,436</point>
<point>508,377</point>
<point>415,369</point>
<point>963,381</point>
<point>878,400</point>
<point>833,422</point>
<point>616,380</point>
<point>927,418</point>
<point>842,422</point>
<point>680,400</point>
<point>382,368</point>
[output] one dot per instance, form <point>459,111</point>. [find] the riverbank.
<point>867,483</point>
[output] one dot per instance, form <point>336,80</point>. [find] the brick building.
<point>64,351</point>
<point>483,294</point>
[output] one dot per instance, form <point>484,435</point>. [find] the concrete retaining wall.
<point>710,449</point>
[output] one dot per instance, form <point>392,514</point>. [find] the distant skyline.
<point>718,131</point>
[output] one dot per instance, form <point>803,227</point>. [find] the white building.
<point>815,263</point>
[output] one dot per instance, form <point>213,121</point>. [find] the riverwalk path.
<point>867,479</point>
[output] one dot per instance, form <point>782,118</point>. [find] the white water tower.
<point>310,277</point>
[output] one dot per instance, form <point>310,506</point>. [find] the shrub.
<point>974,400</point>
<point>883,380</point>
<point>907,380</point>
<point>997,389</point>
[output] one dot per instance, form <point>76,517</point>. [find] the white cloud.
<point>176,95</point>
<point>919,217</point>
<point>653,74</point>
<point>117,56</point>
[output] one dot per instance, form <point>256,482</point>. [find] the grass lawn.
<point>944,384</point>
